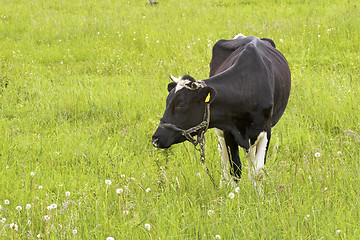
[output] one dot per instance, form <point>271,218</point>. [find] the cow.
<point>244,97</point>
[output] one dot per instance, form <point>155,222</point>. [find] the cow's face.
<point>185,107</point>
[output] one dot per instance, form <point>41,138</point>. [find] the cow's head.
<point>185,108</point>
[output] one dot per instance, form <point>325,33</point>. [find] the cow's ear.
<point>207,94</point>
<point>171,86</point>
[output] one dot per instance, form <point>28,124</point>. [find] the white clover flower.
<point>119,190</point>
<point>53,206</point>
<point>237,189</point>
<point>32,174</point>
<point>148,190</point>
<point>231,195</point>
<point>108,182</point>
<point>7,202</point>
<point>46,217</point>
<point>210,212</point>
<point>110,238</point>
<point>67,193</point>
<point>19,208</point>
<point>317,154</point>
<point>3,220</point>
<point>147,226</point>
<point>217,237</point>
<point>28,206</point>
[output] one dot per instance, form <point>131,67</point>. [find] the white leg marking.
<point>239,36</point>
<point>225,161</point>
<point>256,156</point>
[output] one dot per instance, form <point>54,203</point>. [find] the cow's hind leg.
<point>229,153</point>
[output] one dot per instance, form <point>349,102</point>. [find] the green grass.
<point>83,86</point>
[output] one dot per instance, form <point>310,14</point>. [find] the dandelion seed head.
<point>14,226</point>
<point>147,226</point>
<point>338,231</point>
<point>67,193</point>
<point>122,176</point>
<point>217,237</point>
<point>46,217</point>
<point>126,212</point>
<point>119,190</point>
<point>40,187</point>
<point>148,190</point>
<point>231,195</point>
<point>108,182</point>
<point>3,220</point>
<point>110,238</point>
<point>317,154</point>
<point>7,202</point>
<point>74,231</point>
<point>307,217</point>
<point>53,206</point>
<point>237,189</point>
<point>19,208</point>
<point>32,174</point>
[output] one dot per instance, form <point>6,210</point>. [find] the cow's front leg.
<point>229,153</point>
<point>256,156</point>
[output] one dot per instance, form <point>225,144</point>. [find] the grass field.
<point>83,86</point>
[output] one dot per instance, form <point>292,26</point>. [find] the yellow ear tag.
<point>207,99</point>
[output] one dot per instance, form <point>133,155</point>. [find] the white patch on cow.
<point>225,161</point>
<point>181,84</point>
<point>239,36</point>
<point>256,156</point>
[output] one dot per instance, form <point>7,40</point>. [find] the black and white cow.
<point>247,93</point>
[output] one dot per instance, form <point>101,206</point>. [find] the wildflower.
<point>46,217</point>
<point>3,220</point>
<point>14,226</point>
<point>217,237</point>
<point>110,238</point>
<point>210,212</point>
<point>67,193</point>
<point>32,174</point>
<point>148,190</point>
<point>231,195</point>
<point>119,190</point>
<point>317,154</point>
<point>7,202</point>
<point>19,208</point>
<point>237,189</point>
<point>147,226</point>
<point>28,206</point>
<point>338,231</point>
<point>108,182</point>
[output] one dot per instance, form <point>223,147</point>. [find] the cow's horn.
<point>174,78</point>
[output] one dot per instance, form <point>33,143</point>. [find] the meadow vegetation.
<point>82,88</point>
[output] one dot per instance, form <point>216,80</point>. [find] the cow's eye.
<point>179,107</point>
